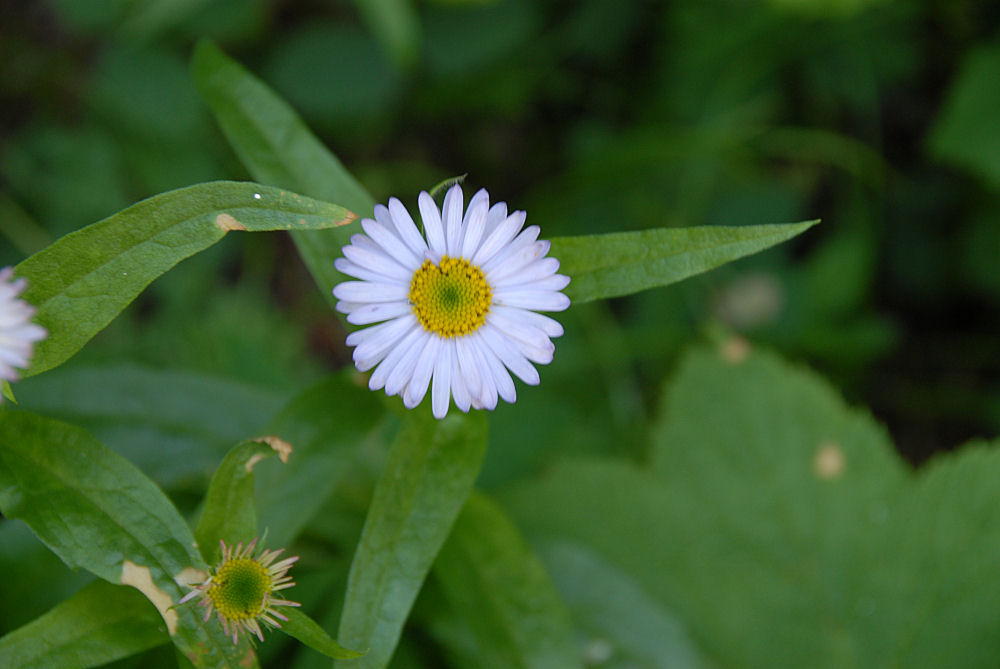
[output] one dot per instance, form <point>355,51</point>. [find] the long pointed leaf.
<point>620,263</point>
<point>277,148</point>
<point>430,473</point>
<point>82,281</point>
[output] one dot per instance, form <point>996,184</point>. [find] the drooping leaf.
<point>277,148</point>
<point>620,263</point>
<point>430,473</point>
<point>99,624</point>
<point>97,511</point>
<point>229,514</point>
<point>306,630</point>
<point>500,589</point>
<point>82,281</point>
<point>785,531</point>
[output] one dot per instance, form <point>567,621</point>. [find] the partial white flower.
<point>17,333</point>
<point>455,307</point>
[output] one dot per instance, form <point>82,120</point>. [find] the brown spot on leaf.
<point>190,576</point>
<point>735,349</point>
<point>280,446</point>
<point>227,223</point>
<point>140,578</point>
<point>349,218</point>
<point>829,462</point>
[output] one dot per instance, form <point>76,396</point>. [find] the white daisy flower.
<point>455,310</point>
<point>17,333</point>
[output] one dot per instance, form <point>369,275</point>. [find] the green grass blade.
<point>621,263</point>
<point>430,473</point>
<point>82,281</point>
<point>306,630</point>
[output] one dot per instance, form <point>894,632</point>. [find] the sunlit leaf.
<point>501,590</point>
<point>620,263</point>
<point>430,473</point>
<point>99,624</point>
<point>95,510</point>
<point>82,281</point>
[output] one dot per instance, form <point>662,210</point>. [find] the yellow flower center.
<point>452,298</point>
<point>240,588</point>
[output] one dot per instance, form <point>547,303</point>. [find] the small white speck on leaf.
<point>256,196</point>
<point>829,462</point>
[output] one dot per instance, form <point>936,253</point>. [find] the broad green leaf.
<point>175,425</point>
<point>620,263</point>
<point>97,511</point>
<point>966,133</point>
<point>82,281</point>
<point>396,26</point>
<point>499,587</point>
<point>229,514</point>
<point>430,473</point>
<point>99,624</point>
<point>305,629</point>
<point>617,618</point>
<point>277,148</point>
<point>327,425</point>
<point>782,529</point>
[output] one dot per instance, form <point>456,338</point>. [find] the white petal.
<point>347,307</point>
<point>366,291</point>
<point>536,300</point>
<point>534,271</point>
<point>395,359</point>
<point>554,282</point>
<point>459,387</point>
<point>372,344</point>
<point>388,240</point>
<point>496,216</point>
<point>433,226</point>
<point>406,227</point>
<point>488,395</point>
<point>474,223</point>
<point>451,216</point>
<point>345,266</point>
<point>516,262</point>
<point>441,384</point>
<point>377,261</point>
<point>499,238</point>
<point>549,326</point>
<point>417,387</point>
<point>509,355</point>
<point>523,332</point>
<point>467,365</point>
<point>401,375</point>
<point>525,239</point>
<point>381,311</point>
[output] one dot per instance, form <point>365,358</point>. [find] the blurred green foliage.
<point>879,116</point>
